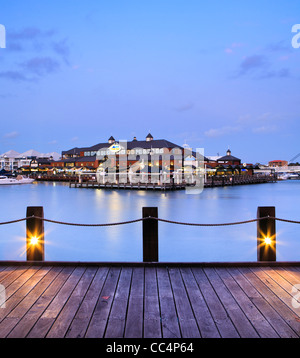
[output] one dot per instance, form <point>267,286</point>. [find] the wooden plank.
<point>152,321</point>
<point>281,308</point>
<point>238,317</point>
<point>28,300</point>
<point>218,312</point>
<point>203,316</point>
<point>135,313</point>
<point>6,271</point>
<point>98,321</point>
<point>254,315</point>
<point>286,281</point>
<point>280,292</point>
<point>48,317</point>
<point>169,318</point>
<point>83,316</point>
<point>14,284</point>
<point>262,303</point>
<point>151,301</point>
<point>290,273</point>
<point>187,322</point>
<point>12,276</point>
<point>33,314</point>
<point>64,319</point>
<point>116,321</point>
<point>36,292</point>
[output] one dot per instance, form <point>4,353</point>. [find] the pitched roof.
<point>143,144</point>
<point>10,154</point>
<point>228,158</point>
<point>30,153</point>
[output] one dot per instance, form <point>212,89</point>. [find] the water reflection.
<point>124,242</point>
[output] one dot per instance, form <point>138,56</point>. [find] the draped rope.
<point>148,218</point>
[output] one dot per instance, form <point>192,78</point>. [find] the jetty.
<point>210,182</point>
<point>68,300</point>
<point>150,299</point>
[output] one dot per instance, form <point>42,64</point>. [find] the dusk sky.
<point>211,74</point>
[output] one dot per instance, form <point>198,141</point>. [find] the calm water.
<point>176,242</point>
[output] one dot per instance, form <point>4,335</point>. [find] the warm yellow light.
<point>34,240</point>
<point>268,241</point>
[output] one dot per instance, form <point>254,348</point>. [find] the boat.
<point>293,176</point>
<point>20,179</point>
<point>286,176</point>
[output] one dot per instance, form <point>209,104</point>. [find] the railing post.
<point>35,234</point>
<point>266,234</point>
<point>150,235</point>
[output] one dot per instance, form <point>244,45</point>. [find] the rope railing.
<point>265,219</point>
<point>148,218</point>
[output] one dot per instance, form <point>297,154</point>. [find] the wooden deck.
<point>152,301</point>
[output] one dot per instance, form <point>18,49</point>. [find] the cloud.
<point>282,73</point>
<point>185,107</point>
<point>40,52</point>
<point>11,135</point>
<point>15,76</point>
<point>232,47</point>
<point>28,33</point>
<point>265,129</point>
<point>245,118</point>
<point>41,65</point>
<point>251,63</point>
<point>62,49</point>
<point>218,132</point>
<point>19,40</point>
<point>260,67</point>
<point>280,46</point>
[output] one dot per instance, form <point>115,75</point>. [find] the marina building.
<point>157,154</point>
<point>278,163</point>
<point>28,161</point>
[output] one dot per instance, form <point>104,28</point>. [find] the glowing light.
<point>268,241</point>
<point>34,240</point>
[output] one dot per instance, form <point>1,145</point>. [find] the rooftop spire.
<point>149,137</point>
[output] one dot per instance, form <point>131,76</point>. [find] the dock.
<point>209,183</point>
<point>90,300</point>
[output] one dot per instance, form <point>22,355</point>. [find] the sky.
<point>210,74</point>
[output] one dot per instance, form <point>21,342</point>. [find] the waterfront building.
<point>8,161</point>
<point>76,162</point>
<point>157,153</point>
<point>229,159</point>
<point>278,163</point>
<point>13,161</point>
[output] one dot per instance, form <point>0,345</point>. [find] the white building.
<point>8,160</point>
<point>12,160</point>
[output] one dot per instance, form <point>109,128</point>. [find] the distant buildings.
<point>152,151</point>
<point>13,161</point>
<point>146,155</point>
<point>278,163</point>
<point>93,157</point>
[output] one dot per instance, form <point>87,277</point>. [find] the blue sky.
<point>212,74</point>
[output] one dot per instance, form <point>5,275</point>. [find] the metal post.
<point>266,234</point>
<point>35,233</point>
<point>150,235</point>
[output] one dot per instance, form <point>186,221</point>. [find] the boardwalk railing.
<point>266,231</point>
